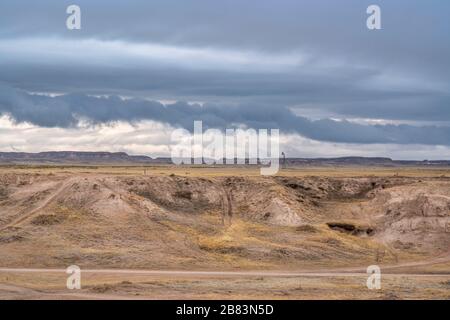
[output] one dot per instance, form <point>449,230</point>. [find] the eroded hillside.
<point>179,222</point>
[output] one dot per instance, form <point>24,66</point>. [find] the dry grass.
<point>107,286</point>
<point>224,171</point>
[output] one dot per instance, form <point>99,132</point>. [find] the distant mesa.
<point>75,157</point>
<point>80,157</point>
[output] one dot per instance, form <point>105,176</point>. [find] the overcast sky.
<point>138,69</point>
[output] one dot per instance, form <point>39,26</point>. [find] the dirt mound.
<point>417,215</point>
<point>194,195</point>
<point>254,199</point>
<point>341,188</point>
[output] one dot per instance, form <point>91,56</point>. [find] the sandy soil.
<point>175,285</point>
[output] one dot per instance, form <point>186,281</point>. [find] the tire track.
<point>33,212</point>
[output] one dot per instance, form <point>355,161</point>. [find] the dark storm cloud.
<point>67,110</point>
<point>345,90</point>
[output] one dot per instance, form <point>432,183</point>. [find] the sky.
<point>137,70</point>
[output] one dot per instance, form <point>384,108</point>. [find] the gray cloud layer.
<point>67,110</point>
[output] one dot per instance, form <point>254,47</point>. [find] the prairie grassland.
<point>224,171</point>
